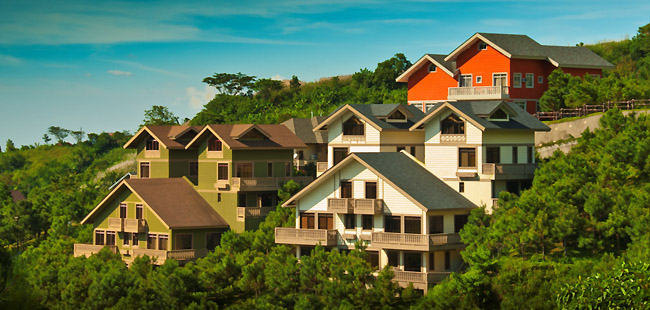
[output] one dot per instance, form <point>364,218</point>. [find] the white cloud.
<point>120,73</point>
<point>278,77</point>
<point>9,60</point>
<point>197,98</point>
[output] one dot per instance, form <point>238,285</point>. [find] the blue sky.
<point>98,66</point>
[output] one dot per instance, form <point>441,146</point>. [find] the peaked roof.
<point>477,113</point>
<point>375,115</point>
<point>279,136</point>
<point>405,174</point>
<point>304,129</point>
<point>448,67</point>
<point>522,46</point>
<point>173,200</point>
<point>166,135</point>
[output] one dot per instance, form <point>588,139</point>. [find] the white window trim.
<point>479,79</point>
<point>471,79</point>
<point>498,73</point>
<point>532,80</point>
<point>514,75</point>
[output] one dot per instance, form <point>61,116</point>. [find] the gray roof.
<point>479,110</point>
<point>303,128</point>
<point>374,111</point>
<point>449,65</point>
<point>519,45</point>
<point>415,180</point>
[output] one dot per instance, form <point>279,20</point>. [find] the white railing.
<point>268,183</point>
<point>84,249</point>
<point>287,235</point>
<point>340,205</point>
<point>134,225</point>
<point>368,206</point>
<point>481,92</point>
<point>452,138</point>
<point>244,212</point>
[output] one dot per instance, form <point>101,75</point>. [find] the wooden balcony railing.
<point>84,249</point>
<point>272,183</point>
<point>418,242</point>
<point>354,138</point>
<point>116,224</point>
<point>135,225</point>
<point>287,235</point>
<point>340,205</point>
<point>321,166</point>
<point>510,171</point>
<point>452,138</point>
<point>159,256</point>
<point>416,277</point>
<point>249,212</point>
<point>368,206</point>
<point>481,92</point>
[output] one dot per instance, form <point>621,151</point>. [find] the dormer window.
<point>499,115</point>
<point>152,144</point>
<point>252,135</point>
<point>353,127</point>
<point>396,117</point>
<point>453,125</point>
<point>482,46</point>
<point>433,68</point>
<point>215,145</point>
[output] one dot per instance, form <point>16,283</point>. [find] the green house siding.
<point>199,240</point>
<point>258,155</point>
<point>227,207</point>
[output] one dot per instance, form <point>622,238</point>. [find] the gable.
<point>253,135</point>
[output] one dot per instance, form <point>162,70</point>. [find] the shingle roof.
<point>303,128</point>
<point>415,180</point>
<point>176,202</point>
<point>166,134</point>
<point>279,136</point>
<point>515,44</point>
<point>373,112</point>
<point>478,111</point>
<point>449,65</point>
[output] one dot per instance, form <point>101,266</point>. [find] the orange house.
<point>490,66</point>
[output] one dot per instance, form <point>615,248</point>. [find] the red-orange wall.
<point>483,63</point>
<point>582,72</point>
<point>534,66</point>
<point>425,85</point>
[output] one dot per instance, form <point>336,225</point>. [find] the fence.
<point>593,108</point>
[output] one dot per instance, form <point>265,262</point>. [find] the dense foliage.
<point>630,79</point>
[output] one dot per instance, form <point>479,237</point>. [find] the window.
<point>350,221</point>
<point>325,221</point>
<point>432,261</point>
<point>144,170</point>
<point>436,224</point>
<point>212,240</point>
<point>467,157</point>
<point>287,169</point>
<point>346,189</point>
<point>540,79</point>
<point>340,153</point>
<point>465,80</point>
<point>396,116</point>
<point>479,79</point>
<point>452,125</point>
<point>413,151</point>
<point>307,221</point>
<point>122,210</point>
<point>99,237</point>
<point>515,154</point>
<point>152,144</point>
<point>127,238</point>
<point>214,145</point>
<point>516,80</point>
<point>412,261</point>
<point>499,115</point>
<point>241,200</point>
<point>265,199</point>
<point>194,168</point>
<point>162,242</point>
<point>482,46</point>
<point>530,154</point>
<point>433,68</point>
<point>151,241</point>
<point>136,241</point>
<point>412,225</point>
<point>184,242</point>
<point>393,258</point>
<point>222,171</point>
<point>401,148</point>
<point>459,222</point>
<point>301,155</point>
<point>367,222</point>
<point>244,170</point>
<point>521,104</point>
<point>500,79</point>
<point>493,155</point>
<point>110,238</point>
<point>373,259</point>
<point>218,197</point>
<point>447,260</point>
<point>392,224</point>
<point>371,190</point>
<point>353,127</point>
<point>461,187</point>
<point>530,80</point>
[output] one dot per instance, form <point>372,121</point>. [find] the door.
<point>465,80</point>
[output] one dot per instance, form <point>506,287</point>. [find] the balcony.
<point>159,256</point>
<point>296,236</point>
<point>416,242</point>
<point>452,138</point>
<point>83,249</point>
<point>321,166</point>
<point>115,224</point>
<point>252,212</point>
<point>265,184</point>
<point>126,225</point>
<point>478,93</point>
<point>340,205</point>
<point>510,171</point>
<point>420,280</point>
<point>368,206</point>
<point>353,138</point>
